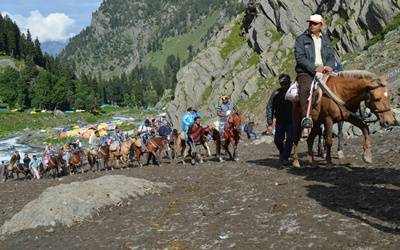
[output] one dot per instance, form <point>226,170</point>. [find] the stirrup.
<point>306,122</point>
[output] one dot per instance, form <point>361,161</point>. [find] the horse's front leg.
<point>310,145</point>
<point>340,140</point>
<point>226,147</point>
<point>367,155</point>
<point>328,123</point>
<point>297,135</point>
<point>206,147</point>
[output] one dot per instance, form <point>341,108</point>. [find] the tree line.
<point>44,82</point>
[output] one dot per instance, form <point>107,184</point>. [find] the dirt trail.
<point>251,204</point>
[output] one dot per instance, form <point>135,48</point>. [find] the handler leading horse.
<point>339,103</point>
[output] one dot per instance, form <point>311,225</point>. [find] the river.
<point>8,146</point>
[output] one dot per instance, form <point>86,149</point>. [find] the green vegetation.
<point>340,21</point>
<point>349,56</point>
<point>254,59</point>
<point>234,40</point>
<point>394,24</point>
<point>183,46</point>
<point>275,36</point>
<point>206,94</point>
<point>161,28</point>
<point>264,86</point>
<point>289,63</point>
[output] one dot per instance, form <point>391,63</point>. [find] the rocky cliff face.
<point>248,70</point>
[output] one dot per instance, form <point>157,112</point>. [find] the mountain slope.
<point>124,32</point>
<point>246,68</point>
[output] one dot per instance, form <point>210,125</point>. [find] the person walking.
<point>280,109</point>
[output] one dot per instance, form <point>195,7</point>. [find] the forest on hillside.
<point>40,81</point>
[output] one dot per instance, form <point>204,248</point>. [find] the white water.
<point>8,146</point>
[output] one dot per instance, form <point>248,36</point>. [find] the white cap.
<point>316,18</point>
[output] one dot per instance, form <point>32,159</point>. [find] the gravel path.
<point>251,204</point>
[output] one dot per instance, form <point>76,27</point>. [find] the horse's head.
<point>235,120</point>
<point>378,101</point>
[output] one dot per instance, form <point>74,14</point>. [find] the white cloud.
<point>54,27</point>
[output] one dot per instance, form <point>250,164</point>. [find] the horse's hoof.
<point>296,164</point>
<point>201,161</point>
<point>367,159</point>
<point>236,159</point>
<point>220,159</point>
<point>340,154</point>
<point>192,162</point>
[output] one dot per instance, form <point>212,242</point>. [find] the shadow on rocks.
<point>371,195</point>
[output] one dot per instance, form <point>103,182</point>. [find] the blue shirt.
<point>35,163</point>
<point>188,120</point>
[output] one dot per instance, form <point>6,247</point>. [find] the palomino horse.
<point>231,135</point>
<point>347,90</point>
<point>123,152</point>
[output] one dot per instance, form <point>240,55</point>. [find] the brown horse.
<point>347,90</point>
<point>76,160</point>
<point>202,141</point>
<point>155,147</point>
<point>232,132</point>
<point>14,167</point>
<point>104,156</point>
<point>56,164</point>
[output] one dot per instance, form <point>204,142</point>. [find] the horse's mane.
<point>358,74</point>
<point>361,74</point>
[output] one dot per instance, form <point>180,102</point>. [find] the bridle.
<point>370,100</point>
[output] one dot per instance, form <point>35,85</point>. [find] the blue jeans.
<point>284,139</point>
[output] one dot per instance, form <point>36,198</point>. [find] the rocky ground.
<point>251,204</point>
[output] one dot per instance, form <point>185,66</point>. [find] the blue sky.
<point>41,18</point>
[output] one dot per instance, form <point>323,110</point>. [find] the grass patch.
<point>349,56</point>
<point>340,21</point>
<point>394,24</point>
<point>254,59</point>
<point>234,40</point>
<point>275,36</point>
<point>178,45</point>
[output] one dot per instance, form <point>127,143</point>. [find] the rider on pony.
<point>224,111</point>
<point>188,120</point>
<point>144,131</point>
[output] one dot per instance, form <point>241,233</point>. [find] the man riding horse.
<point>314,53</point>
<point>342,94</point>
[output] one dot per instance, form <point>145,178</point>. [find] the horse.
<point>55,163</point>
<point>126,150</point>
<point>76,159</point>
<point>231,135</point>
<point>155,147</point>
<point>343,94</point>
<point>104,156</point>
<point>15,167</point>
<point>201,139</point>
